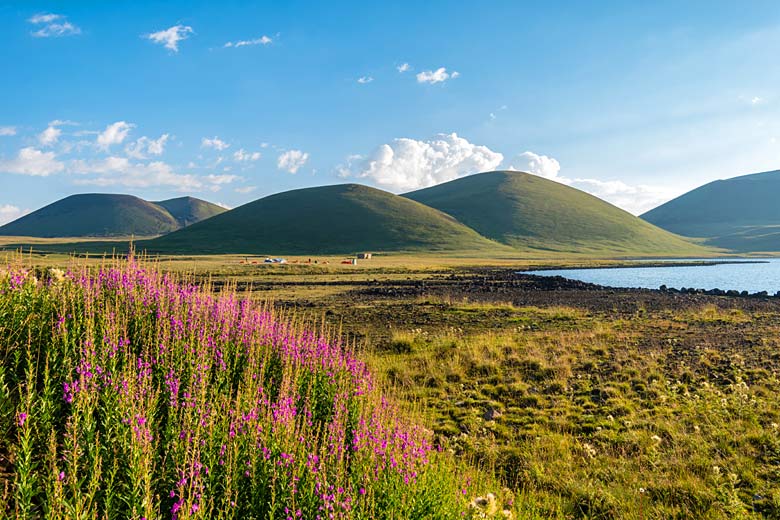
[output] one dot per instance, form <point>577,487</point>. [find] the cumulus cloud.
<point>31,161</point>
<point>439,75</point>
<point>114,133</point>
<point>144,145</point>
<point>242,155</point>
<point>263,40</point>
<point>52,25</point>
<point>121,171</point>
<point>292,160</point>
<point>408,164</point>
<point>365,79</point>
<point>404,67</point>
<point>171,36</point>
<point>9,213</point>
<point>540,165</point>
<point>6,131</point>
<point>215,142</point>
<point>245,189</point>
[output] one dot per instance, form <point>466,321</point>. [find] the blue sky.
<point>635,102</point>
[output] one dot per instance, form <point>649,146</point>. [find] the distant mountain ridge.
<point>526,211</point>
<point>493,212</point>
<point>110,215</point>
<point>741,213</point>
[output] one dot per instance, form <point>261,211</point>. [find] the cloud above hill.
<point>407,164</point>
<point>9,212</point>
<point>292,160</point>
<point>31,161</point>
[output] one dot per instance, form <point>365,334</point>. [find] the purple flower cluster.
<point>242,404</point>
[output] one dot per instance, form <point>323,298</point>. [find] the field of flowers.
<point>126,393</point>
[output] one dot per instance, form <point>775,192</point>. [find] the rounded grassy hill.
<point>325,220</point>
<point>529,212</point>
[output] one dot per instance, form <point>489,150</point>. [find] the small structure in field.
<point>275,261</point>
<point>364,256</point>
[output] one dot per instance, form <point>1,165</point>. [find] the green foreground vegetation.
<point>618,407</point>
<point>600,417</point>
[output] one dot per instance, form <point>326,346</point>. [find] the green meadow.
<point>629,406</point>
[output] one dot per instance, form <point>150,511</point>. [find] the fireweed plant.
<point>126,393</point>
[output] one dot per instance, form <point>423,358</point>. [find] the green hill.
<point>189,210</point>
<point>109,215</point>
<point>529,212</point>
<point>742,213</point>
<point>325,220</point>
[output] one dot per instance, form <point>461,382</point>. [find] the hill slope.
<point>94,214</point>
<point>325,220</point>
<point>189,210</point>
<point>740,213</point>
<point>109,215</point>
<point>527,211</point>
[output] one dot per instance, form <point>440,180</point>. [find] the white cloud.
<point>144,145</point>
<point>9,213</point>
<point>365,79</point>
<point>52,25</point>
<point>49,136</point>
<point>755,100</point>
<point>292,160</point>
<point>120,171</point>
<point>7,131</point>
<point>171,36</point>
<point>245,189</point>
<point>61,122</point>
<point>403,67</point>
<point>242,155</point>
<point>30,161</point>
<point>263,40</point>
<point>114,133</point>
<point>218,180</point>
<point>439,75</point>
<point>540,165</point>
<point>215,143</point>
<point>44,18</point>
<point>408,164</point>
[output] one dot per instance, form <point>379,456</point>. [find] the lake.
<point>746,275</point>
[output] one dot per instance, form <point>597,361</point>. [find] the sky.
<point>230,101</point>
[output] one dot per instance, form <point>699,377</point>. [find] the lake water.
<point>743,276</point>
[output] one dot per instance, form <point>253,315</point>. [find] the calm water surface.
<point>748,276</point>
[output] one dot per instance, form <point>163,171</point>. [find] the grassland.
<point>586,403</point>
<point>108,215</point>
<point>529,212</point>
<point>129,393</point>
<point>332,219</point>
